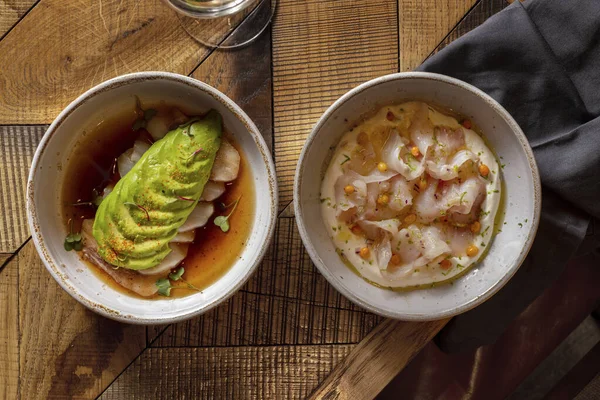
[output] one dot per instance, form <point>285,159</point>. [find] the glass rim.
<point>189,10</point>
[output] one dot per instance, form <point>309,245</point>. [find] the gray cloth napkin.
<point>540,60</point>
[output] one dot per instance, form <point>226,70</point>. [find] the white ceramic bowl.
<point>44,212</point>
<point>522,193</point>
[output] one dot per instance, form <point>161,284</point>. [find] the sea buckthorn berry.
<point>383,199</point>
<point>364,252</point>
<point>395,259</point>
<point>467,123</point>
<point>415,151</point>
<point>475,227</point>
<point>390,116</point>
<point>410,218</point>
<point>349,189</point>
<point>484,170</point>
<point>382,167</point>
<point>472,250</point>
<point>445,264</point>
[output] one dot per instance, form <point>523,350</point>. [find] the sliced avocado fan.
<point>136,221</point>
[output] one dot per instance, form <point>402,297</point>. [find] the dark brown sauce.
<point>91,167</point>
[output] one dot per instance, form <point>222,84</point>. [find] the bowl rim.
<point>119,81</point>
<point>501,111</point>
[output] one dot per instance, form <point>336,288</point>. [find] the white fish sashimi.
<point>227,163</point>
<point>160,124</point>
<point>417,247</point>
<point>172,260</point>
<point>401,195</point>
<point>374,210</point>
<point>398,158</point>
<point>124,277</point>
<point>124,163</point>
<point>427,203</point>
<point>458,240</point>
<point>447,170</point>
<point>447,141</point>
<point>212,191</point>
<point>139,148</point>
<point>375,229</point>
<point>460,197</point>
<point>421,130</point>
<point>406,243</point>
<point>198,217</point>
<point>358,198</point>
<point>184,237</point>
<point>383,251</point>
<point>127,160</point>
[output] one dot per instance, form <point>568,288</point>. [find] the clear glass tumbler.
<point>224,23</point>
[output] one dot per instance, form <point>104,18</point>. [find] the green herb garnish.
<point>73,241</point>
<point>164,285</point>
<point>346,159</point>
<point>222,221</point>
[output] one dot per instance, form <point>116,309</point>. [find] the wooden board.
<point>377,359</point>
<point>9,329</point>
<point>11,11</point>
<point>273,372</point>
<point>423,25</point>
<point>65,348</point>
<point>82,43</point>
<point>251,319</point>
<point>17,145</point>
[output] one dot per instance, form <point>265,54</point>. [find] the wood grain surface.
<point>377,359</point>
<point>17,145</point>
<point>287,329</point>
<point>11,11</point>
<point>276,372</point>
<point>63,347</point>
<point>423,25</point>
<point>9,329</point>
<point>78,44</point>
<point>322,49</point>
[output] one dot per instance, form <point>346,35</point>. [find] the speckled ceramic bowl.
<point>519,212</point>
<point>46,177</point>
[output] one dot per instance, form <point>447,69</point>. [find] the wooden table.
<point>287,333</point>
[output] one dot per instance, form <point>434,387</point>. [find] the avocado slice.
<point>136,221</point>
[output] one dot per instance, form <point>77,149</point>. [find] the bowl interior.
<point>47,175</point>
<point>518,212</point>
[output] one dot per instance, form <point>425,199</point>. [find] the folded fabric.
<point>540,60</point>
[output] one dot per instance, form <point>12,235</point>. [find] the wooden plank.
<point>79,44</point>
<point>288,271</point>
<point>3,258</point>
<point>65,349</point>
<point>9,329</point>
<point>245,76</point>
<point>17,145</point>
<point>11,11</point>
<point>477,16</point>
<point>321,49</point>
<point>423,24</point>
<point>251,319</point>
<point>377,359</point>
<point>274,372</point>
